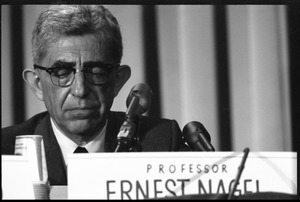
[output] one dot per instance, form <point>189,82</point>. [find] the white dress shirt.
<point>67,146</point>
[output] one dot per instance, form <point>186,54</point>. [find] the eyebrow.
<point>94,63</point>
<point>65,64</point>
<point>61,63</point>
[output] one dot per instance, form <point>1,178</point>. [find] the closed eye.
<point>62,72</point>
<point>98,71</point>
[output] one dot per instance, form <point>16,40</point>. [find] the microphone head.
<point>195,127</point>
<point>195,133</point>
<point>144,93</point>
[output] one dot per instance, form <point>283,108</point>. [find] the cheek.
<point>105,95</point>
<point>53,98</point>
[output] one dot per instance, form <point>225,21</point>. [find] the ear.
<point>123,74</point>
<point>34,82</point>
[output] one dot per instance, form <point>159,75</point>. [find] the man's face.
<point>81,108</point>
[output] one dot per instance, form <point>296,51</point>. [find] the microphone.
<point>137,102</point>
<point>197,136</point>
<point>144,93</point>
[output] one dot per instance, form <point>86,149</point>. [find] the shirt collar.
<point>67,146</point>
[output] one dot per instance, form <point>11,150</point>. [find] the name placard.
<point>174,174</point>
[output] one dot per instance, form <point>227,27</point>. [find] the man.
<point>77,52</point>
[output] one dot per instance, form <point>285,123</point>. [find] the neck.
<point>82,138</point>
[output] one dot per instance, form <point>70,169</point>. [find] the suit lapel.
<point>115,120</point>
<point>55,163</point>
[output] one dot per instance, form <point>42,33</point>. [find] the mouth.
<point>83,113</point>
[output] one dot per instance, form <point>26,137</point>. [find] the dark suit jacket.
<point>155,135</point>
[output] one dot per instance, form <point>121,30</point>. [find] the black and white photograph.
<point>150,101</point>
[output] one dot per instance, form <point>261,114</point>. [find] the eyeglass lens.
<point>64,77</point>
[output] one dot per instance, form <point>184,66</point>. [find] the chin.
<point>82,127</point>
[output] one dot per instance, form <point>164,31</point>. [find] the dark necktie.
<point>80,150</point>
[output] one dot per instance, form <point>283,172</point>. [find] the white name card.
<point>174,174</point>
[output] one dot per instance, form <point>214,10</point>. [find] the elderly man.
<point>77,51</point>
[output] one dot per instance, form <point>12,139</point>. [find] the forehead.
<point>75,49</point>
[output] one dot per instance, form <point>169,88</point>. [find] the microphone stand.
<point>136,139</point>
<point>129,140</point>
<point>237,179</point>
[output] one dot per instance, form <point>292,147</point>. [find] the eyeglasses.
<point>63,76</point>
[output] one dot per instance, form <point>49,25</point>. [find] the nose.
<point>79,87</point>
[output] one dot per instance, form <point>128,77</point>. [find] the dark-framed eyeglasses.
<point>63,76</point>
